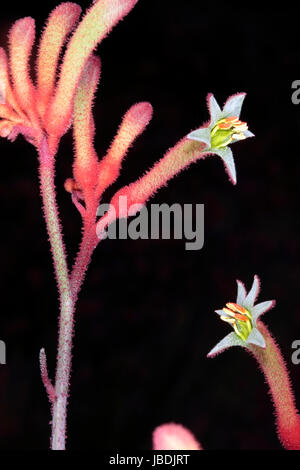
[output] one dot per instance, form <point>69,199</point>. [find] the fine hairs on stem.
<point>42,111</point>
<point>61,98</point>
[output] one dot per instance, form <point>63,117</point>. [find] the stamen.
<point>229,312</point>
<point>232,119</point>
<point>239,333</point>
<point>238,136</point>
<point>238,316</point>
<point>225,125</point>
<point>236,307</point>
<point>227,130</point>
<point>228,319</point>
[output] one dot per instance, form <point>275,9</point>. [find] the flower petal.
<point>261,308</point>
<point>220,312</point>
<point>227,157</point>
<point>255,337</point>
<point>241,295</point>
<point>214,109</point>
<point>253,293</point>
<point>201,135</point>
<point>248,134</point>
<point>233,105</point>
<point>230,340</point>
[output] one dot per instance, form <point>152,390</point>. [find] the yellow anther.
<point>228,319</point>
<point>232,119</point>
<point>241,127</point>
<point>236,307</point>
<point>239,136</point>
<point>229,312</point>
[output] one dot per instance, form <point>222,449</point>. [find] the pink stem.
<point>273,366</point>
<point>87,246</point>
<point>45,378</point>
<point>59,412</point>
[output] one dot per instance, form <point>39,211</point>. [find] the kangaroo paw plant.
<point>61,97</point>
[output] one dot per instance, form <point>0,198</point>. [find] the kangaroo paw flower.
<point>242,316</point>
<point>224,128</point>
<point>254,336</point>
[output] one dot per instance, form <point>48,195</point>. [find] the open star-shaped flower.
<point>243,316</point>
<point>224,129</point>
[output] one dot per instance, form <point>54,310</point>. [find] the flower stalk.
<point>273,366</point>
<point>48,192</point>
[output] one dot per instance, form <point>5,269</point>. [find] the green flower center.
<point>226,131</point>
<point>240,319</point>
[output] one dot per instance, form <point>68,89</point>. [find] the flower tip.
<point>213,353</point>
<point>258,283</point>
<point>142,112</point>
<point>130,3</point>
<point>117,8</point>
<point>23,28</point>
<point>230,170</point>
<point>235,95</point>
<point>173,436</point>
<point>208,97</point>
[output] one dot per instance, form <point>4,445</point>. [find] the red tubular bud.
<point>97,23</point>
<point>21,39</point>
<point>86,161</point>
<point>133,124</point>
<point>59,24</point>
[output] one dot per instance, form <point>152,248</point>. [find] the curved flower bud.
<point>21,38</point>
<point>98,21</point>
<point>133,124</point>
<point>86,161</point>
<point>173,436</point>
<point>59,24</point>
<point>8,97</point>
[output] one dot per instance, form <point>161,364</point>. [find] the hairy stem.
<point>63,369</point>
<point>273,366</point>
<point>88,244</point>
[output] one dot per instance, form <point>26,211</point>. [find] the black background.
<point>145,318</point>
